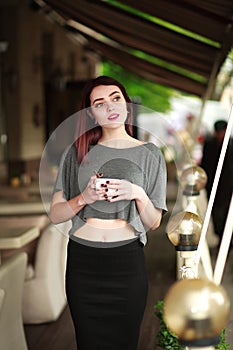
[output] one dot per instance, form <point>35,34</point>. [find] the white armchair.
<point>12,274</point>
<point>44,289</point>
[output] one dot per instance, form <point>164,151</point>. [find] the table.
<point>21,208</point>
<point>17,237</point>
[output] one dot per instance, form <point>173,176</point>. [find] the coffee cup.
<point>101,181</point>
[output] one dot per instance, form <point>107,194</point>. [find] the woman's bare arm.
<point>62,210</point>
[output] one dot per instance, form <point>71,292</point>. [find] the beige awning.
<point>182,61</point>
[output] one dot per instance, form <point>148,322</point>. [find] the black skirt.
<point>106,292</point>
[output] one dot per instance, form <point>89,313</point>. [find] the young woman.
<point>106,281</point>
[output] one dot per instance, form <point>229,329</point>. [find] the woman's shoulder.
<point>71,149</point>
<point>70,153</point>
<point>133,142</point>
<point>152,147</point>
<point>154,152</point>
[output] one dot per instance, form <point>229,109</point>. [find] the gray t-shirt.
<point>143,165</point>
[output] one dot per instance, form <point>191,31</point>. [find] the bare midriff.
<point>103,230</point>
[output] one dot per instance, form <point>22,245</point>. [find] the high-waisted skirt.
<point>106,291</point>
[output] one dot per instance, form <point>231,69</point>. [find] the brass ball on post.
<point>184,230</point>
<point>193,180</point>
<point>196,311</point>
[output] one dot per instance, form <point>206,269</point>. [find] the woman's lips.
<point>113,116</point>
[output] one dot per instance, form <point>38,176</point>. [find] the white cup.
<point>100,181</point>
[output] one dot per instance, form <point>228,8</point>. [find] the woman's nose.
<point>110,106</point>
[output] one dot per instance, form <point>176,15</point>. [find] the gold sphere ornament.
<point>193,179</point>
<point>184,230</point>
<point>196,311</point>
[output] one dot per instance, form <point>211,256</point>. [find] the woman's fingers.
<point>111,190</point>
<point>121,190</point>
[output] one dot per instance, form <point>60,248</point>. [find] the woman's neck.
<point>113,135</point>
<point>115,139</point>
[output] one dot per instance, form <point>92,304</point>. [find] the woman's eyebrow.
<point>102,98</point>
<point>114,92</point>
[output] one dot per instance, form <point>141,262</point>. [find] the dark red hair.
<point>88,133</point>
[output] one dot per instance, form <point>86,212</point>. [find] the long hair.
<point>88,133</point>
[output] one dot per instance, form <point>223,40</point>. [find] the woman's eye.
<point>116,99</point>
<point>102,104</point>
<point>99,105</point>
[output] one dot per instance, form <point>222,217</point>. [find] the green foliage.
<point>167,340</point>
<point>223,345</point>
<point>151,95</point>
<point>230,55</point>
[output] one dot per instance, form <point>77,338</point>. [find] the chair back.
<point>12,275</point>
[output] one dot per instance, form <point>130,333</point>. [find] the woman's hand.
<point>62,210</point>
<point>123,190</point>
<point>91,194</point>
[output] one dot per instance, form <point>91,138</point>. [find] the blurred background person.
<point>210,156</point>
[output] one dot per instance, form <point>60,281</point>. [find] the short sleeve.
<point>58,186</point>
<point>67,174</point>
<point>157,179</point>
<point>58,183</point>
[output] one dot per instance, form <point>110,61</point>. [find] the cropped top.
<point>143,165</point>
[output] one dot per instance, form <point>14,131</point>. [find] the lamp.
<point>184,230</point>
<point>196,311</point>
<point>193,179</point>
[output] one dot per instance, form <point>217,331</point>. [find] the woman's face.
<point>108,106</point>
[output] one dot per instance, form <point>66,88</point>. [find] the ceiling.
<point>174,57</point>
